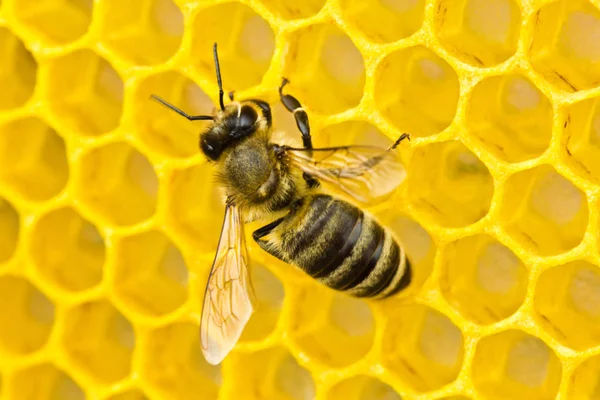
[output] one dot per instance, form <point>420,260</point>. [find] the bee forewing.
<point>229,295</point>
<point>363,172</point>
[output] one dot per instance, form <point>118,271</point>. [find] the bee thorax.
<point>256,180</point>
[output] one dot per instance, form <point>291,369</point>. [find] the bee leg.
<point>258,235</point>
<point>294,106</point>
<point>310,181</point>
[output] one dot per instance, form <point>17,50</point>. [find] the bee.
<point>330,239</point>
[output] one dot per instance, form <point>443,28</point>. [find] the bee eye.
<point>248,117</point>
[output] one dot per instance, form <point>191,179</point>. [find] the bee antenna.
<point>180,111</point>
<point>219,81</point>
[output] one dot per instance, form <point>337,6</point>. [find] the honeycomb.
<point>109,218</point>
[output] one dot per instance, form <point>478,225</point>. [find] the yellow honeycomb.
<point>109,218</point>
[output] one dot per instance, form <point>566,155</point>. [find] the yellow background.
<point>109,217</point>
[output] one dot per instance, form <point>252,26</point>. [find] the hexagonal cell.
<point>515,365</point>
<point>582,133</point>
<point>150,274</point>
<point>33,158</point>
<point>195,206</point>
<point>482,33</point>
<point>17,73</point>
<point>9,230</point>
<point>99,340</point>
<point>67,250</point>
<point>325,69</point>
<point>585,381</point>
<point>333,329</point>
<point>543,211</point>
<point>294,10</point>
<point>423,347</point>
<point>171,362</point>
<point>145,32</point>
<point>279,377</point>
<point>417,91</point>
<point>362,387</point>
<point>510,117</point>
<point>483,279</point>
<point>84,92</point>
<point>119,183</point>
<point>564,49</point>
<point>26,315</point>
<point>566,299</point>
<point>55,22</point>
<point>269,295</point>
<point>50,383</point>
<point>162,129</point>
<point>416,241</point>
<point>246,45</point>
<point>132,394</point>
<point>450,184</point>
<point>384,21</point>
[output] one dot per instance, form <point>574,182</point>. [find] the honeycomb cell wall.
<point>109,216</point>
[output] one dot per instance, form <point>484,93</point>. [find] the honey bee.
<point>329,238</point>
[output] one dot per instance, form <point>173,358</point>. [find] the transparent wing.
<point>228,300</point>
<point>366,173</point>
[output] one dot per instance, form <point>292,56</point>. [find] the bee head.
<point>236,121</point>
<point>231,123</point>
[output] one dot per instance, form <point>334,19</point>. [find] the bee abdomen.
<point>347,250</point>
<point>376,267</point>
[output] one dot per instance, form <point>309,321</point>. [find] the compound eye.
<point>248,117</point>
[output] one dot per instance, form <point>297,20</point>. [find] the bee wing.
<point>366,173</point>
<point>229,296</point>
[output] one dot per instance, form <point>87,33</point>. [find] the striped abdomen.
<point>342,247</point>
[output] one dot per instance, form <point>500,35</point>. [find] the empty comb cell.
<point>51,383</point>
<point>582,134</point>
<point>510,117</point>
<point>325,69</point>
<point>172,365</point>
<point>27,316</point>
<point>564,48</point>
<point>550,214</point>
<point>61,238</point>
<point>53,23</point>
<point>18,71</point>
<point>100,323</point>
<point>9,230</point>
<point>33,158</point>
<point>566,299</point>
<point>150,268</point>
<point>482,33</point>
<point>483,279</point>
<point>416,90</point>
<point>513,364</point>
<point>142,33</point>
<point>449,184</point>
<point>363,387</point>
